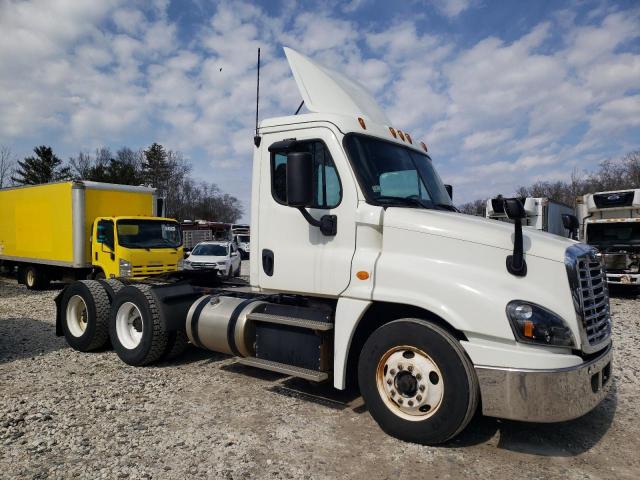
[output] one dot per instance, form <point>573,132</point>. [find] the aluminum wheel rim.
<point>77,316</point>
<point>410,383</point>
<point>129,325</point>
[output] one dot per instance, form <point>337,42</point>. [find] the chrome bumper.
<point>545,395</point>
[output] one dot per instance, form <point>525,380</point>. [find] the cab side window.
<point>105,233</point>
<point>326,185</point>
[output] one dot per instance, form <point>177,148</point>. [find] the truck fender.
<point>349,311</point>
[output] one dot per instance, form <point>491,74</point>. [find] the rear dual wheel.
<point>137,332</point>
<point>417,381</point>
<point>34,278</point>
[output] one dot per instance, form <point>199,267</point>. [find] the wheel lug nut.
<point>392,372</point>
<point>421,387</point>
<point>410,368</point>
<point>400,366</point>
<point>419,398</point>
<point>418,377</point>
<point>393,393</point>
<point>410,402</point>
<point>400,401</point>
<point>389,382</point>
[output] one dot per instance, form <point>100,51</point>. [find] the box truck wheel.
<point>137,333</point>
<point>34,278</point>
<point>85,306</point>
<point>417,381</point>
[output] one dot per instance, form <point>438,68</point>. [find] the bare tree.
<point>476,207</point>
<point>7,165</point>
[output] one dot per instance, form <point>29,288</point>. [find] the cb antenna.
<point>256,138</point>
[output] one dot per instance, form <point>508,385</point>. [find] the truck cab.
<point>362,271</point>
<point>135,247</point>
<point>610,222</point>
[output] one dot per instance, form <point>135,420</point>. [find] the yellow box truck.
<point>73,230</point>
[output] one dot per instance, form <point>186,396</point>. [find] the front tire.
<point>86,315</point>
<point>137,333</point>
<point>417,381</point>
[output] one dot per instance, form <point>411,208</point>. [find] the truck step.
<point>291,321</point>
<point>307,374</point>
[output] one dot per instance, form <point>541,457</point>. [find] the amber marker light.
<point>393,132</point>
<point>362,275</point>
<point>424,146</point>
<point>401,135</point>
<point>361,122</point>
<point>408,138</point>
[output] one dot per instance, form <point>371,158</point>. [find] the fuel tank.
<point>219,323</point>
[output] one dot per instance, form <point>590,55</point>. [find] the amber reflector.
<point>362,275</point>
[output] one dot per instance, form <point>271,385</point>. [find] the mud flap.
<point>58,300</point>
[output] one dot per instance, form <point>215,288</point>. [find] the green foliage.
<point>45,167</point>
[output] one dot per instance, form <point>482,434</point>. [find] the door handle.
<point>267,262</point>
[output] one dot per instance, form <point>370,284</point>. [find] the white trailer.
<point>361,269</point>
<point>542,214</point>
<point>610,222</point>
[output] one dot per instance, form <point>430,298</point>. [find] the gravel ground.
<point>65,414</point>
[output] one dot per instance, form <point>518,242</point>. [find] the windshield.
<point>136,233</point>
<point>612,234</point>
<point>390,173</point>
<point>243,238</point>
<point>210,250</point>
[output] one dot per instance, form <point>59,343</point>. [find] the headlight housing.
<point>125,268</point>
<point>532,323</point>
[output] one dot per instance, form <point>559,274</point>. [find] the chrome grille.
<point>588,281</point>
<point>595,300</point>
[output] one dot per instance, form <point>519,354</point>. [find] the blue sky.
<point>504,93</point>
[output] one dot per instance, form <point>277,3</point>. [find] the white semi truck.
<point>542,213</point>
<point>361,268</point>
<point>610,222</point>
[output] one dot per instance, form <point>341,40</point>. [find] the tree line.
<point>620,174</point>
<point>166,170</point>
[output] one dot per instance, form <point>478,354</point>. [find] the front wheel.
<point>417,381</point>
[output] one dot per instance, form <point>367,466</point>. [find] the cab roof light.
<point>401,135</point>
<point>408,138</point>
<point>393,132</point>
<point>361,122</point>
<point>424,146</point>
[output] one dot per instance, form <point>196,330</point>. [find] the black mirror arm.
<point>516,264</point>
<point>328,224</point>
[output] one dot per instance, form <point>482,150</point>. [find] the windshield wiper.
<point>446,206</point>
<point>405,200</point>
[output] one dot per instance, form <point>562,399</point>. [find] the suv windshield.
<point>391,174</point>
<point>614,234</point>
<point>211,250</point>
<point>134,233</point>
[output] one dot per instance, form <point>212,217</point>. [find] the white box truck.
<point>610,222</point>
<point>361,268</point>
<point>542,213</point>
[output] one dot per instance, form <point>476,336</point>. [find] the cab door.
<point>295,256</point>
<point>104,248</point>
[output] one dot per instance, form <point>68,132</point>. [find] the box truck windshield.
<point>613,234</point>
<point>389,172</point>
<point>134,233</point>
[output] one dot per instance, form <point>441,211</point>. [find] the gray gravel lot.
<point>65,414</point>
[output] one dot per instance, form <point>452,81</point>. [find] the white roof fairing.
<point>325,90</point>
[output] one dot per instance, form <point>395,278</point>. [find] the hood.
<point>468,228</point>
<point>326,91</point>
<point>206,258</point>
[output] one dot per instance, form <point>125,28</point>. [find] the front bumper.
<point>625,279</point>
<point>545,395</point>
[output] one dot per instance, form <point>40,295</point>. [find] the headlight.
<point>222,264</point>
<point>532,323</point>
<point>125,268</point>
